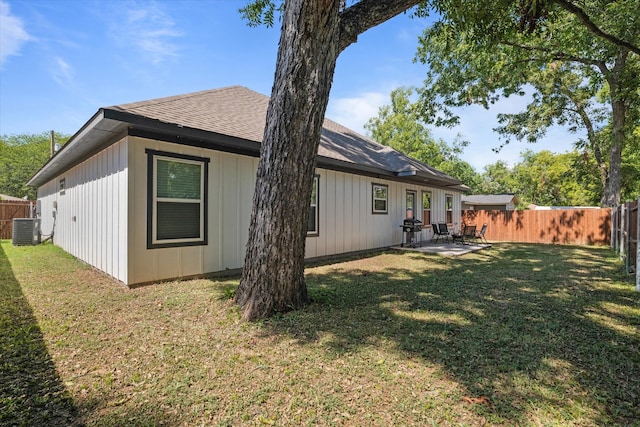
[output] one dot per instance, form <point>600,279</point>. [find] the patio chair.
<point>468,234</point>
<point>438,233</point>
<point>480,234</point>
<point>444,231</point>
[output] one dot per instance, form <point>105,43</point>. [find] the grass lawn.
<point>516,335</point>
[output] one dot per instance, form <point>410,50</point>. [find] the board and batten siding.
<point>231,184</point>
<point>346,221</point>
<point>91,218</point>
<point>102,215</point>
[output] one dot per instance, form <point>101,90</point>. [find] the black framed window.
<point>176,199</point>
<point>314,221</point>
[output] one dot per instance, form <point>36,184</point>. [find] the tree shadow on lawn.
<point>521,326</point>
<point>31,391</point>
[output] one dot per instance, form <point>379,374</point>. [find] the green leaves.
<point>575,63</point>
<point>261,12</point>
<point>20,158</point>
<point>399,126</point>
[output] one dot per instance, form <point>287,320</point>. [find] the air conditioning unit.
<point>26,231</point>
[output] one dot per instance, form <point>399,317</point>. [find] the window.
<point>449,208</point>
<point>312,227</point>
<point>62,186</point>
<point>411,204</point>
<point>176,200</point>
<point>426,207</point>
<point>380,194</point>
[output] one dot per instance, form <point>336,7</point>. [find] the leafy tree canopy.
<point>21,156</point>
<point>399,126</point>
<point>580,78</point>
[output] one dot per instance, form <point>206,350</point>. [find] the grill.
<point>411,228</point>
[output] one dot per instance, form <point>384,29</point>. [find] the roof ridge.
<point>167,99</point>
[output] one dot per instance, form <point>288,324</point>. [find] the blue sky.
<point>62,60</point>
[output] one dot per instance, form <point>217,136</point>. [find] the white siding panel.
<point>107,195</point>
<point>92,210</point>
<point>230,205</point>
<point>231,183</point>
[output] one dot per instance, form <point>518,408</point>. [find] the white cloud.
<point>62,72</point>
<point>476,126</point>
<point>354,112</point>
<point>12,33</point>
<point>148,28</point>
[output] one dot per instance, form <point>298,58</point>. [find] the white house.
<point>163,189</point>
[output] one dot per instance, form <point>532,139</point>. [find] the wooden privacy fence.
<point>10,209</point>
<point>566,226</point>
<point>625,236</point>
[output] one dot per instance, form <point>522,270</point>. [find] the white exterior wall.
<point>107,195</point>
<point>346,221</point>
<point>91,215</point>
<point>231,184</point>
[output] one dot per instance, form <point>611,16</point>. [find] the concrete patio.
<point>444,248</point>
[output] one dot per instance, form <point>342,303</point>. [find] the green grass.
<point>516,335</point>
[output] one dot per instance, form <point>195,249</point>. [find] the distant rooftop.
<point>490,199</point>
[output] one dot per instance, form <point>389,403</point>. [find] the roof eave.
<point>428,179</point>
<point>97,133</point>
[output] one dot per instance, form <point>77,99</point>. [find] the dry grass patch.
<point>521,334</point>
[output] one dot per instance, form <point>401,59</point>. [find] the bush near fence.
<point>566,226</point>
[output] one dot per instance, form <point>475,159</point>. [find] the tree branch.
<point>591,26</point>
<point>558,55</point>
<point>366,14</point>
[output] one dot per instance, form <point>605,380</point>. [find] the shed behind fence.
<point>566,226</point>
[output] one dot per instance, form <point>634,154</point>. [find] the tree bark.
<point>313,34</point>
<point>613,187</point>
<point>273,273</point>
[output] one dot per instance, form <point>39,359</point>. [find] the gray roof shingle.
<point>490,199</point>
<point>241,112</point>
<point>238,113</point>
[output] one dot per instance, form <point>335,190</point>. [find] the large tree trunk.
<point>314,32</point>
<point>613,187</point>
<point>273,274</point>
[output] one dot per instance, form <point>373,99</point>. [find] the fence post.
<point>621,246</point>
<point>614,219</point>
<point>615,212</point>
<point>627,240</point>
<point>638,246</point>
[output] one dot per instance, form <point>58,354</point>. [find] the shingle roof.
<point>490,199</point>
<point>239,113</point>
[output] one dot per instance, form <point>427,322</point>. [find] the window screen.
<point>177,200</point>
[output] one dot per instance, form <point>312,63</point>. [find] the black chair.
<point>480,234</point>
<point>441,230</point>
<point>469,233</point>
<point>438,232</point>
